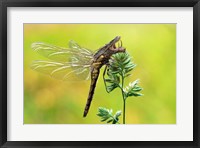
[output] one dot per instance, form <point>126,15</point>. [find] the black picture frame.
<point>4,4</point>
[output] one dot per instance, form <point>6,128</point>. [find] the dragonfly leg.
<point>104,79</point>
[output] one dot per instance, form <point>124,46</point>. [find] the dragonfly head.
<point>116,48</point>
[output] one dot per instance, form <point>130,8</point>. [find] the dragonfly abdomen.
<point>94,77</point>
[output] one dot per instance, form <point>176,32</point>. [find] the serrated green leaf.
<point>134,94</point>
<point>118,113</point>
<point>132,89</point>
<point>137,89</point>
<point>104,119</point>
<point>114,121</point>
<point>109,120</point>
<point>106,115</point>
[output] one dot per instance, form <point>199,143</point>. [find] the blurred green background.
<point>153,49</point>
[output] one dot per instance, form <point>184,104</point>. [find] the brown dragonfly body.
<point>75,62</point>
<point>101,57</point>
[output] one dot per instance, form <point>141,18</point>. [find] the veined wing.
<point>73,63</point>
<point>61,54</point>
<point>62,71</point>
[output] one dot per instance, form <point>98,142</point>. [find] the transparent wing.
<point>66,64</point>
<point>62,71</point>
<point>61,54</point>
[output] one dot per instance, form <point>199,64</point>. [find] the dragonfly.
<point>75,62</point>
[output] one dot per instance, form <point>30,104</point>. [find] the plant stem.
<point>124,100</point>
<point>124,114</point>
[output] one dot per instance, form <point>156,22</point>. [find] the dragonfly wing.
<point>73,63</point>
<point>61,54</point>
<point>51,52</point>
<point>62,71</point>
<point>86,52</point>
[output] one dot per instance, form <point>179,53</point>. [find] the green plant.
<point>117,70</point>
<point>106,115</point>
